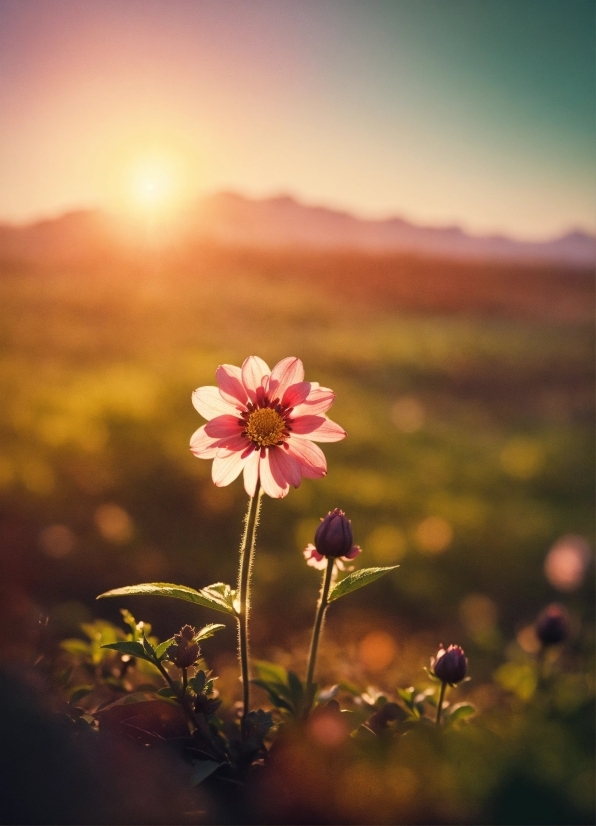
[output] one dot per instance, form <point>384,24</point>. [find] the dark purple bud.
<point>184,652</point>
<point>334,535</point>
<point>450,665</point>
<point>552,626</point>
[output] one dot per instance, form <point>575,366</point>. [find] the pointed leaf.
<point>201,769</point>
<point>161,649</point>
<point>208,631</point>
<point>461,712</point>
<point>211,597</point>
<point>357,580</point>
<point>133,649</point>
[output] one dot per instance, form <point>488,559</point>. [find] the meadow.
<point>467,394</point>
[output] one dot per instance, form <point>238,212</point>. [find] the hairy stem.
<point>247,551</point>
<point>440,703</point>
<point>316,633</point>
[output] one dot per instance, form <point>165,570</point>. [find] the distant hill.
<point>230,219</point>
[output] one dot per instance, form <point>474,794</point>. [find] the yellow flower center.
<point>265,427</point>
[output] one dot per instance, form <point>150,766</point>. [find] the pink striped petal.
<point>353,552</point>
<point>224,426</point>
<point>318,401</point>
<point>225,470</point>
<point>318,428</point>
<point>255,374</point>
<point>202,445</point>
<point>287,372</point>
<point>296,394</point>
<point>251,473</point>
<point>311,458</point>
<point>229,380</point>
<point>209,403</point>
<point>270,484</point>
<point>233,444</point>
<point>284,467</point>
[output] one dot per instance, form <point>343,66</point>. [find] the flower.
<point>184,651</point>
<point>264,422</point>
<point>450,665</point>
<point>552,626</point>
<point>333,539</point>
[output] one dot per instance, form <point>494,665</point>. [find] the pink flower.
<point>318,561</point>
<point>264,422</point>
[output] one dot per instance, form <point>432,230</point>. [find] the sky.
<point>471,112</point>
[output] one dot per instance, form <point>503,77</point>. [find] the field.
<point>467,394</point>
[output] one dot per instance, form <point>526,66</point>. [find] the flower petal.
<point>318,401</point>
<point>209,403</point>
<point>233,444</point>
<point>225,469</point>
<point>229,380</point>
<point>310,457</point>
<point>284,467</point>
<point>286,372</point>
<point>272,487</point>
<point>296,394</point>
<point>318,428</point>
<point>251,473</point>
<point>203,446</point>
<point>224,426</point>
<point>255,372</point>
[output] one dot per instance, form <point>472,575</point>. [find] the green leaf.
<point>357,580</point>
<point>78,647</point>
<point>208,631</point>
<point>79,692</point>
<point>270,672</point>
<point>133,649</point>
<point>276,699</point>
<point>296,689</point>
<point>161,649</point>
<point>461,712</point>
<point>219,597</point>
<point>201,769</point>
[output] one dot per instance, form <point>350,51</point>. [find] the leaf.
<point>296,689</point>
<point>213,596</point>
<point>79,692</point>
<point>357,580</point>
<point>270,672</point>
<point>133,649</point>
<point>201,769</point>
<point>161,649</point>
<point>461,712</point>
<point>276,699</point>
<point>208,631</point>
<point>78,647</point>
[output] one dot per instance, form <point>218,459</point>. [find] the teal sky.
<point>478,112</point>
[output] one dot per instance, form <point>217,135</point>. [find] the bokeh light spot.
<point>522,458</point>
<point>57,541</point>
<point>377,651</point>
<point>566,563</point>
<point>386,543</point>
<point>113,523</point>
<point>434,535</point>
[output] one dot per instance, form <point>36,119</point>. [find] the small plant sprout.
<point>333,541</point>
<point>450,666</point>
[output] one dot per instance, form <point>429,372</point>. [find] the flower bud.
<point>552,626</point>
<point>334,535</point>
<point>184,652</point>
<point>450,665</point>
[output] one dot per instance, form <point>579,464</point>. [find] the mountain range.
<point>230,219</point>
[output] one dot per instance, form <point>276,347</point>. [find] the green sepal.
<point>218,596</point>
<point>356,580</point>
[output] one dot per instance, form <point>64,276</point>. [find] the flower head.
<point>450,665</point>
<point>552,626</point>
<point>333,539</point>
<point>264,422</point>
<point>184,651</point>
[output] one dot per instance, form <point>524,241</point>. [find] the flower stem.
<point>316,633</point>
<point>246,559</point>
<point>440,703</point>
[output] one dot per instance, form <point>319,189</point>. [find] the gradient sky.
<point>477,112</point>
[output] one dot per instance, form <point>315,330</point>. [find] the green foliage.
<point>284,688</point>
<point>358,579</point>
<point>220,597</point>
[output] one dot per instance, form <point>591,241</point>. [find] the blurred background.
<point>399,193</point>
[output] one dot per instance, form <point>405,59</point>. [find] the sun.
<point>154,186</point>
